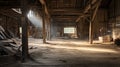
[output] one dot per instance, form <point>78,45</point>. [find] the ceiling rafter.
<point>46,9</point>
<point>88,7</point>
<point>96,9</point>
<point>9,13</point>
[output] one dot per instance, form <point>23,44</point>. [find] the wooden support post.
<point>77,29</point>
<point>44,28</point>
<point>24,19</point>
<point>49,28</point>
<point>91,27</point>
<point>45,7</point>
<point>24,39</point>
<point>93,14</point>
<point>45,11</point>
<point>46,25</point>
<point>91,32</point>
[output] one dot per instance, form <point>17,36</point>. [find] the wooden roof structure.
<point>58,10</point>
<point>71,10</point>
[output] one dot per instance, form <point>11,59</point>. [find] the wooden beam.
<point>9,13</point>
<point>82,16</point>
<point>24,7</point>
<point>48,29</point>
<point>63,20</point>
<point>91,22</point>
<point>87,8</point>
<point>49,38</point>
<point>96,9</point>
<point>68,19</point>
<point>45,7</point>
<point>91,32</point>
<point>93,1</point>
<point>42,2</point>
<point>45,13</point>
<point>95,4</point>
<point>44,28</point>
<point>24,39</point>
<point>66,13</point>
<point>64,16</point>
<point>66,10</point>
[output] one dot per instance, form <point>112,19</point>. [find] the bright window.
<point>69,30</point>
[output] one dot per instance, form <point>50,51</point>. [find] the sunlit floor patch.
<point>61,52</point>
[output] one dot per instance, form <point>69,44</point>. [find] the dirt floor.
<point>73,52</point>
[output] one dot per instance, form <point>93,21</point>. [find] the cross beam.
<point>45,7</point>
<point>87,8</point>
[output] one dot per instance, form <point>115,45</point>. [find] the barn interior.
<point>51,33</point>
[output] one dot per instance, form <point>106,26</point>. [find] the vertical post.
<point>49,29</point>
<point>91,28</point>
<point>93,14</point>
<point>24,5</point>
<point>48,19</point>
<point>24,39</point>
<point>91,32</point>
<point>77,23</point>
<point>44,29</point>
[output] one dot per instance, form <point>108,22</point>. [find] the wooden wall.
<point>100,24</point>
<point>83,29</point>
<point>10,24</point>
<point>57,28</point>
<point>114,18</point>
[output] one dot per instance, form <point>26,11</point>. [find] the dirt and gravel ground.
<point>74,52</point>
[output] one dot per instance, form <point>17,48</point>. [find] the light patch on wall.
<point>20,29</point>
<point>36,20</point>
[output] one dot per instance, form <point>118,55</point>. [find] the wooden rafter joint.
<point>88,6</point>
<point>96,4</point>
<point>45,7</point>
<point>82,16</point>
<point>92,5</point>
<point>95,10</point>
<point>42,2</point>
